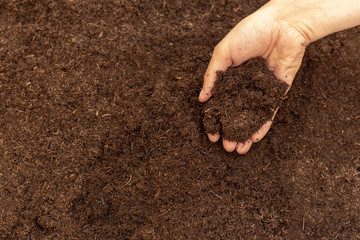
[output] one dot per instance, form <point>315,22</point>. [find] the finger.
<point>220,61</point>
<point>243,148</point>
<point>260,134</point>
<point>213,137</point>
<point>229,145</point>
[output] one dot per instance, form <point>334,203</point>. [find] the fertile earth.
<point>244,99</point>
<point>102,136</point>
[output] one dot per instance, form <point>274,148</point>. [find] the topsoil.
<point>244,98</point>
<point>101,133</point>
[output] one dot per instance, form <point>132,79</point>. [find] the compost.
<point>102,136</point>
<point>244,99</point>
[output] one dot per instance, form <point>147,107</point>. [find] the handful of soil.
<point>244,98</point>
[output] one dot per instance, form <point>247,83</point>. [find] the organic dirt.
<point>101,133</point>
<point>244,98</point>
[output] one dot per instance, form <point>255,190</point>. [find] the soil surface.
<point>244,98</point>
<point>101,133</point>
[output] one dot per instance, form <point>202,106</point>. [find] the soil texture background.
<point>101,133</point>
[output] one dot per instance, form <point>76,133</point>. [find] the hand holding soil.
<point>278,32</point>
<point>244,98</point>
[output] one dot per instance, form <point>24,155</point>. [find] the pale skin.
<point>278,32</point>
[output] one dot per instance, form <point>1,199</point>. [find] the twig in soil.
<point>303,224</point>
<point>218,196</point>
<point>156,147</point>
<point>127,183</point>
<point>323,94</point>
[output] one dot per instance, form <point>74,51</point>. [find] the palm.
<point>257,35</point>
<point>279,43</point>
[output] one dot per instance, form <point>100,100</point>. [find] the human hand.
<point>278,32</point>
<point>261,34</point>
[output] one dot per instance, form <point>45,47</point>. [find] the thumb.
<point>220,61</point>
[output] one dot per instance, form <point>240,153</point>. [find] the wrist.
<point>315,19</point>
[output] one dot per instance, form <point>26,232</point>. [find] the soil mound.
<point>244,98</point>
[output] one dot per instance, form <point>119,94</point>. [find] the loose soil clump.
<point>244,98</point>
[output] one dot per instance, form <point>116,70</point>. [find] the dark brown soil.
<point>244,98</point>
<point>101,133</point>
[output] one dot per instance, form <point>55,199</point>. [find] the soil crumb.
<point>244,98</point>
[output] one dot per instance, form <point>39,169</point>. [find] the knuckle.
<point>219,48</point>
